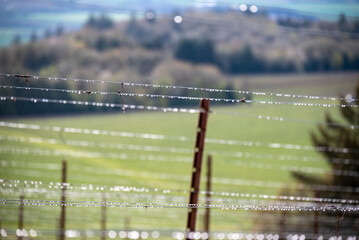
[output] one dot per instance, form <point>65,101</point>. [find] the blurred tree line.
<point>160,51</point>
<point>235,62</point>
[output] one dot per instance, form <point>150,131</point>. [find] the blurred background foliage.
<point>160,51</point>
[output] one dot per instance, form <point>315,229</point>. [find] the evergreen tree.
<point>343,158</point>
<point>47,33</point>
<point>132,24</point>
<point>59,30</point>
<point>196,50</point>
<point>342,22</point>
<point>100,23</point>
<point>33,37</point>
<point>16,40</point>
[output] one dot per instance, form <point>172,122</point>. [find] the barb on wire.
<point>123,104</point>
<point>26,77</point>
<point>339,220</point>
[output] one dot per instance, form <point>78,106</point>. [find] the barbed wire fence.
<point>168,198</point>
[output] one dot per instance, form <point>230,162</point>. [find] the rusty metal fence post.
<point>63,201</point>
<point>208,195</point>
<point>196,168</point>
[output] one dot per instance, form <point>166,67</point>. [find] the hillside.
<point>160,51</point>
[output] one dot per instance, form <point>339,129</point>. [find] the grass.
<point>100,170</point>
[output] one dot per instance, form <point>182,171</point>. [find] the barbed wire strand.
<point>225,181</point>
<point>176,138</point>
<point>283,119</point>
<point>10,183</point>
<point>216,180</point>
<point>226,100</point>
<point>150,148</point>
<point>324,207</point>
<point>265,166</point>
<point>169,233</point>
<point>173,110</point>
<point>287,95</point>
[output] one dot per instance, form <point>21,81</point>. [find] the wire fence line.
<point>139,233</point>
<point>273,145</point>
<point>158,197</point>
<point>30,165</point>
<point>12,183</point>
<point>150,95</point>
<point>99,104</point>
<point>158,213</point>
<point>121,84</point>
<point>283,119</point>
<point>91,154</point>
<point>94,154</point>
<point>216,180</point>
<point>171,110</point>
<point>150,148</point>
<point>161,158</point>
<point>324,207</point>
<point>306,204</point>
<point>90,144</point>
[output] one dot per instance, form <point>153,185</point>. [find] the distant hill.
<point>204,49</point>
<point>23,17</point>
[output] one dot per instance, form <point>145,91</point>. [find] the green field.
<point>156,167</point>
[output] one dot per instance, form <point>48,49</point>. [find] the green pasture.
<point>162,169</point>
